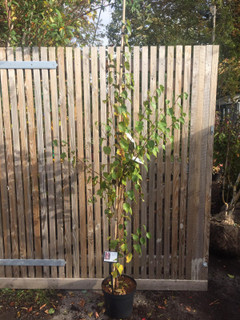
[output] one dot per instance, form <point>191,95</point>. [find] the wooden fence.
<point>47,129</point>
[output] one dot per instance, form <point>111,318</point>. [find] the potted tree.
<point>128,149</point>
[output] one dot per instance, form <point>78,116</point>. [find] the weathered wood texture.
<point>50,124</point>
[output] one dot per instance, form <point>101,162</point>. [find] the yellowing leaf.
<point>114,274</point>
<point>231,276</point>
<point>128,257</point>
<point>119,268</point>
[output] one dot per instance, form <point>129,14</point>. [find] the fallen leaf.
<point>188,309</point>
<point>82,303</point>
<point>214,302</point>
<point>12,304</point>
<point>36,314</point>
<point>71,293</point>
<point>30,309</point>
<point>165,302</point>
<point>231,276</point>
<point>100,304</point>
<point>96,315</point>
<point>18,314</point>
<point>90,314</point>
<point>161,307</point>
<point>51,311</point>
<point>59,295</point>
<point>44,305</point>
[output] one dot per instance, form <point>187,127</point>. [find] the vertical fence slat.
<point>25,162</point>
<point>209,161</point>
<point>176,164</point>
<point>160,168</point>
<point>65,162</point>
<point>103,119</point>
<point>88,152</point>
<point>203,160</point>
<point>184,163</point>
<point>144,78</point>
<point>193,263</point>
<point>10,165</point>
<point>80,162</point>
<point>168,186</point>
<point>41,161</point>
<point>96,166</point>
<point>49,161</point>
<point>152,200</point>
<point>57,162</point>
<point>73,175</point>
<point>5,224</point>
<point>136,105</point>
<point>33,162</point>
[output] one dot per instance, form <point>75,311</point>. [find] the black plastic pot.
<point>119,306</point>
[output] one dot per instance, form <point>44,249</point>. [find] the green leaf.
<point>130,194</point>
<point>135,237</point>
<point>107,150</point>
<point>122,127</point>
<point>137,248</point>
<point>113,244</point>
<point>148,235</point>
<point>138,231</point>
<point>51,311</point>
<point>142,240</point>
<point>150,144</point>
<point>124,144</point>
<point>139,126</point>
<point>123,247</point>
<point>126,207</point>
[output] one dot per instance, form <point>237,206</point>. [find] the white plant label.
<point>110,256</point>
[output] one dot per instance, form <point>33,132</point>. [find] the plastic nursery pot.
<point>119,306</point>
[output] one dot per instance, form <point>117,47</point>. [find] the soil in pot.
<point>120,304</point>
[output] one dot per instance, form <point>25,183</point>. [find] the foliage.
<point>47,23</point>
<point>227,153</point>
<point>187,22</point>
<point>127,150</point>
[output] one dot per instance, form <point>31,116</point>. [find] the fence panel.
<point>50,126</point>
